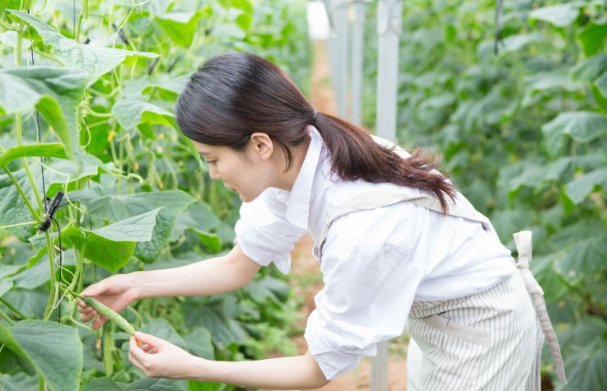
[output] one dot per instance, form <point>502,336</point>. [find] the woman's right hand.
<point>116,292</point>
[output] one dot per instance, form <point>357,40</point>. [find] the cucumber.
<point>106,311</point>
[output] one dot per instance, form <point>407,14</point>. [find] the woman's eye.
<point>212,162</point>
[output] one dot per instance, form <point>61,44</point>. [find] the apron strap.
<point>523,246</point>
<point>378,199</point>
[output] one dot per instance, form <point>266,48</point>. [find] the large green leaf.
<point>5,286</point>
<point>586,367</point>
<point>107,384</point>
<point>180,26</point>
<point>200,343</point>
<point>586,258</point>
<point>564,168</point>
<point>578,190</point>
<point>55,350</point>
<point>46,150</point>
<point>198,216</point>
<point>112,246</point>
<point>95,61</point>
<point>593,37</point>
<point>118,207</point>
<point>133,229</point>
<point>561,15</point>
<point>13,209</point>
<point>515,42</point>
<point>130,112</point>
<point>601,84</point>
<point>55,92</point>
<point>581,126</point>
<point>589,69</point>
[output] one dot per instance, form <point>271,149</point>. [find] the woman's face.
<point>248,173</point>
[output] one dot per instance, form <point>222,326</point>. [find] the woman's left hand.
<point>159,358</point>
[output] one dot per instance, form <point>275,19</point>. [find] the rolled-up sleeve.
<point>263,232</point>
<point>369,289</point>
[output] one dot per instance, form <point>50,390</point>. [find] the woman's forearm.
<point>288,373</point>
<point>204,278</point>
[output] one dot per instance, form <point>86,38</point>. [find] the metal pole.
<point>388,26</point>
<point>358,41</point>
<point>338,54</point>
<point>389,16</point>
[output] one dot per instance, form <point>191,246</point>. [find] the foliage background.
<point>99,79</point>
<point>524,135</point>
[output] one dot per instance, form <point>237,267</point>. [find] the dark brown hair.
<point>235,95</point>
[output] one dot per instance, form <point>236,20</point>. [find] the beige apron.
<point>491,341</point>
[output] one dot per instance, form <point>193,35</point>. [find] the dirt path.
<point>306,279</point>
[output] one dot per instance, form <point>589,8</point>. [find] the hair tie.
<point>316,113</point>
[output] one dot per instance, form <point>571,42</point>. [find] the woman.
<point>396,242</point>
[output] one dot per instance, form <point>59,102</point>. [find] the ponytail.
<point>355,155</point>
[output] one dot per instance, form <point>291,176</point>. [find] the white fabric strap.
<point>524,248</point>
<point>378,199</point>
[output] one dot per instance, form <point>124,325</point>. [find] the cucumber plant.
<point>87,90</point>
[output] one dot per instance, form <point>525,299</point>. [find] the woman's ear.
<point>262,145</point>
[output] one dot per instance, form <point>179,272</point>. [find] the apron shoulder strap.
<point>379,198</point>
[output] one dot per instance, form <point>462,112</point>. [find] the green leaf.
<point>589,69</point>
<point>180,26</point>
<point>268,288</point>
<point>107,384</point>
<point>133,229</point>
<point>515,42</point>
<point>46,150</point>
<point>13,209</point>
<point>101,384</point>
<point>585,258</point>
<point>55,92</point>
<point>561,15</point>
<point>95,61</point>
<point>601,84</point>
<point>198,216</point>
<point>593,37</point>
<point>586,367</point>
<point>210,240</point>
<point>200,343</point>
<point>5,286</point>
<point>53,349</point>
<point>581,126</point>
<point>564,168</point>
<point>112,246</point>
<point>108,254</point>
<point>578,190</point>
<point>119,207</point>
<point>130,112</point>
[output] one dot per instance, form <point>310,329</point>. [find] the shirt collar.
<point>298,202</point>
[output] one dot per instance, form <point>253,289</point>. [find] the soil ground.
<point>306,280</point>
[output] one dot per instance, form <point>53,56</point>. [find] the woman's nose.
<point>213,173</point>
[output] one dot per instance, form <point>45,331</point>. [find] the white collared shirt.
<point>375,263</point>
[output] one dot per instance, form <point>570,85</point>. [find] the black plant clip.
<point>50,208</point>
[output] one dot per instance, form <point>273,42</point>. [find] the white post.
<point>388,30</point>
<point>389,15</point>
<point>358,41</point>
<point>338,54</point>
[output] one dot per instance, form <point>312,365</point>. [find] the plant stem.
<point>16,311</point>
<point>41,385</point>
<point>4,316</point>
<point>54,293</point>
